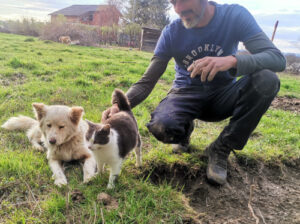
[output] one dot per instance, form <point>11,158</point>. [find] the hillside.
<point>169,188</point>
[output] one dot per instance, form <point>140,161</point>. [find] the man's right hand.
<point>109,112</point>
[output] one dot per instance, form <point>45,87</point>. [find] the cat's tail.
<point>121,99</point>
<point>19,123</point>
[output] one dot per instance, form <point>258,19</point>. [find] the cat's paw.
<point>60,182</point>
<point>110,186</point>
<point>138,164</point>
<point>88,177</point>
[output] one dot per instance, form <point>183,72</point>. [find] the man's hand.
<point>109,112</point>
<point>208,67</point>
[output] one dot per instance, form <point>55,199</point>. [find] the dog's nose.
<point>52,141</point>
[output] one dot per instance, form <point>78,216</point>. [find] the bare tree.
<point>120,4</point>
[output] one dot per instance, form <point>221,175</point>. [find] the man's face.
<point>189,11</point>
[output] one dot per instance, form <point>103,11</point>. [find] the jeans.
<point>245,101</point>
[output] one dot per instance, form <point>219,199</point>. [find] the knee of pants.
<point>266,83</point>
<point>166,130</point>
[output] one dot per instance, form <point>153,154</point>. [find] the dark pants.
<point>245,101</point>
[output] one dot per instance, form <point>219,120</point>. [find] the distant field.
<point>163,191</point>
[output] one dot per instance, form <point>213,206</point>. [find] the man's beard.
<point>198,17</point>
<point>193,22</point>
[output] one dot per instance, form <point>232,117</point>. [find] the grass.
<point>32,70</point>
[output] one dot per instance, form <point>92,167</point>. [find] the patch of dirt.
<point>15,79</point>
<point>286,103</point>
<point>108,201</point>
<point>275,194</point>
<point>77,196</point>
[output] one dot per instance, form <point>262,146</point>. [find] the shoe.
<point>179,148</point>
<point>183,146</point>
<point>217,162</point>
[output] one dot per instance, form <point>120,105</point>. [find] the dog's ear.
<point>105,129</point>
<point>39,110</point>
<point>76,114</point>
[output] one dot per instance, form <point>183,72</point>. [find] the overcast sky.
<point>266,13</point>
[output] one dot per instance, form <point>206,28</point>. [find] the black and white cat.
<point>111,140</point>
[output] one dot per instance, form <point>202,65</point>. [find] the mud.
<point>286,103</point>
<point>15,79</point>
<point>275,195</point>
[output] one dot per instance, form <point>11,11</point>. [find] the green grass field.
<point>32,70</point>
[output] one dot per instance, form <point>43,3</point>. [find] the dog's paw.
<point>60,182</point>
<point>39,148</point>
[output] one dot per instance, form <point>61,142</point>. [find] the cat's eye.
<point>49,125</point>
<point>61,127</point>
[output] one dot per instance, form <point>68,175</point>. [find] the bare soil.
<point>286,103</point>
<point>15,79</point>
<point>275,195</point>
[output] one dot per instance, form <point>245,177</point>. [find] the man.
<point>204,43</point>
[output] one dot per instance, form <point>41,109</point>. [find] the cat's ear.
<point>105,129</point>
<point>90,124</point>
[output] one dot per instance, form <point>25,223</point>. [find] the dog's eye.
<point>49,125</point>
<point>61,127</point>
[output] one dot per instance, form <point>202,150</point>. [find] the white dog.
<point>62,132</point>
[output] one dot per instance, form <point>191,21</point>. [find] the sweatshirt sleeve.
<point>264,55</point>
<point>141,89</point>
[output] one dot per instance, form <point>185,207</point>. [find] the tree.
<point>148,12</point>
<point>120,4</point>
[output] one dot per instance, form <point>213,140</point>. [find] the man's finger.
<point>199,68</point>
<point>191,67</point>
<point>205,71</point>
<point>114,110</point>
<point>212,74</point>
<point>105,115</point>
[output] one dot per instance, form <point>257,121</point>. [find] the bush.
<point>292,59</point>
<point>84,34</point>
<point>109,34</point>
<point>87,35</point>
<point>130,35</point>
<point>29,27</point>
<point>293,63</point>
<point>30,39</point>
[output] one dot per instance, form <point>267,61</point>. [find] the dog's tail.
<point>121,99</point>
<point>19,123</point>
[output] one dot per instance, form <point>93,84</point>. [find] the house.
<point>97,15</point>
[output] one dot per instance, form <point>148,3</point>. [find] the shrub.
<point>30,39</point>
<point>29,27</point>
<point>15,63</point>
<point>86,35</point>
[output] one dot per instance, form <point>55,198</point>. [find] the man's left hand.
<point>208,67</point>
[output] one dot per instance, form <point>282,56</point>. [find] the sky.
<point>266,12</point>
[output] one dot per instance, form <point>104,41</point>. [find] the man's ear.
<point>76,114</point>
<point>39,110</point>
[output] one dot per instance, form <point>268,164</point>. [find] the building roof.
<point>78,10</point>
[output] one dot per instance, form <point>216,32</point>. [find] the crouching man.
<point>204,43</point>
